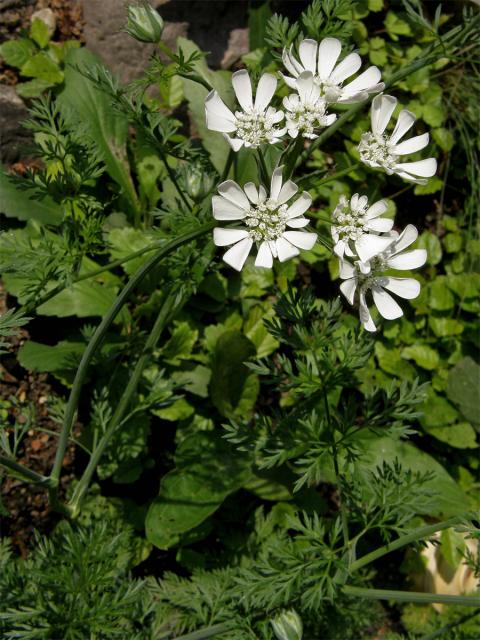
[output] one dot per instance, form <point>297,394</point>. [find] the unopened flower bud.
<point>197,182</point>
<point>288,626</point>
<point>144,23</point>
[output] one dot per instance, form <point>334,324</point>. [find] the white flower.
<point>266,221</point>
<point>367,276</point>
<point>320,59</point>
<point>356,226</point>
<point>256,123</point>
<point>306,110</point>
<point>378,149</point>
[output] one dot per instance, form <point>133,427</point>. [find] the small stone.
<point>47,17</point>
<point>238,46</point>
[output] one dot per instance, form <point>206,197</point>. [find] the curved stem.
<point>27,474</point>
<point>329,178</point>
<point>263,168</point>
<point>410,596</point>
<point>122,406</point>
<point>173,178</point>
<point>99,335</point>
<point>208,632</point>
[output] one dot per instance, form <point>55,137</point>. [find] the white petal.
<point>382,109</point>
<point>291,63</point>
<point>308,54</point>
<point>217,114</point>
<point>225,210</point>
<point>251,191</point>
<point>404,123</point>
<point>347,67</point>
<point>376,209</point>
<point>348,289</point>
<point>347,270</point>
<point>424,168</point>
<point>301,239</point>
<point>405,239</point>
<point>369,245</point>
<point>265,90</point>
<point>262,194</point>
<point>235,143</point>
<point>231,191</point>
<point>366,81</point>
<point>285,250</point>
<point>404,287</point>
<point>328,52</point>
<point>243,89</point>
<point>301,204</point>
<point>276,183</point>
<point>288,190</point>
<point>354,200</point>
<point>411,145</point>
<point>382,225</point>
<point>225,237</point>
<point>385,304</point>
<point>237,255</point>
<point>307,89</point>
<point>264,256</point>
<point>297,223</point>
<point>365,317</point>
<point>340,248</point>
<point>409,260</point>
<point>290,82</point>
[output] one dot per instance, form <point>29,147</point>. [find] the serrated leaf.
<point>17,52</point>
<point>41,66</point>
<point>443,327</point>
<point>33,88</point>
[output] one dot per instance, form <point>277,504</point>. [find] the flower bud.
<point>288,626</point>
<point>144,23</point>
<point>197,182</point>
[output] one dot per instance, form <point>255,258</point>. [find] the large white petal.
<point>306,88</point>
<point>405,239</point>
<point>382,109</point>
<point>370,245</point>
<point>285,250</point>
<point>404,287</point>
<point>237,255</point>
<point>297,223</point>
<point>231,191</point>
<point>385,304</point>
<point>217,123</point>
<point>382,225</point>
<point>301,239</point>
<point>264,256</point>
<point>347,270</point>
<point>291,63</point>
<point>301,204</point>
<point>424,168</point>
<point>308,54</point>
<point>235,143</point>
<point>251,191</point>
<point>348,289</point>
<point>216,110</point>
<point>276,183</point>
<point>226,210</point>
<point>411,145</point>
<point>376,209</point>
<point>225,237</point>
<point>328,53</point>
<point>366,81</point>
<point>265,90</point>
<point>409,260</point>
<point>347,67</point>
<point>262,194</point>
<point>404,123</point>
<point>290,82</point>
<point>365,317</point>
<point>242,86</point>
<point>288,190</point>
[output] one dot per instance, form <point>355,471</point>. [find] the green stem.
<point>451,625</point>
<point>208,632</point>
<point>263,168</point>
<point>329,178</point>
<point>194,77</point>
<point>99,335</point>
<point>27,474</point>
<point>228,164</point>
<point>410,596</point>
<point>291,157</point>
<point>173,178</point>
<point>122,406</point>
<point>414,536</point>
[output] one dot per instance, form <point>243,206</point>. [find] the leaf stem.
<point>329,178</point>
<point>27,474</point>
<point>410,596</point>
<point>99,335</point>
<point>173,178</point>
<point>263,168</point>
<point>208,632</point>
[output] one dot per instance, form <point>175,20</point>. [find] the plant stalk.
<point>27,474</point>
<point>208,632</point>
<point>411,596</point>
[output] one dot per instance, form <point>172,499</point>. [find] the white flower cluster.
<point>363,239</point>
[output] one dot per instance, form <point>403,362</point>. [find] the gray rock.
<point>13,137</point>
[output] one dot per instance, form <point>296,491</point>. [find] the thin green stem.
<point>292,156</point>
<point>122,406</point>
<point>208,632</point>
<point>451,625</point>
<point>228,165</point>
<point>413,536</point>
<point>329,178</point>
<point>194,77</point>
<point>26,474</point>
<point>100,333</point>
<point>263,168</point>
<point>173,178</point>
<point>410,596</point>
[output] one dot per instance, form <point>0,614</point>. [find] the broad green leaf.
<point>443,327</point>
<point>433,185</point>
<point>229,372</point>
<point>440,297</point>
<point>179,410</point>
<point>33,88</point>
<point>41,66</point>
<point>463,388</point>
<point>81,101</point>
<point>437,411</point>
<point>391,361</point>
<point>25,205</point>
<point>453,242</point>
<point>180,345</point>
<point>395,26</point>
<point>195,94</point>
<point>423,355</point>
<point>448,499</point>
<point>461,435</point>
<point>125,241</point>
<point>254,329</point>
<point>208,470</point>
<point>444,138</point>
<point>65,355</point>
<point>257,23</point>
<point>431,243</point>
<point>17,52</point>
<point>375,5</point>
<point>39,33</point>
<point>195,380</point>
<point>452,544</point>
